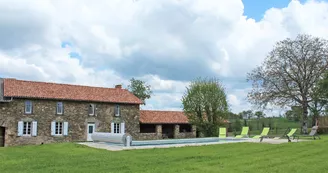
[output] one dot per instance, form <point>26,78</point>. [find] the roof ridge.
<point>56,83</point>
<point>41,89</point>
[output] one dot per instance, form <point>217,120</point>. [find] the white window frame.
<point>27,125</point>
<point>59,106</point>
<point>117,128</point>
<point>28,105</point>
<point>117,108</point>
<point>57,128</point>
<point>93,109</point>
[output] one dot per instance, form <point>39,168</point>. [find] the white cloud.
<point>165,42</point>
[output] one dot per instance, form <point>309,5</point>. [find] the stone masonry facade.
<point>75,113</point>
<point>177,133</point>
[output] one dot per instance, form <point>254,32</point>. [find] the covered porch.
<point>165,125</point>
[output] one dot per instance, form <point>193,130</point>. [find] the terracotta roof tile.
<point>46,90</point>
<point>163,117</point>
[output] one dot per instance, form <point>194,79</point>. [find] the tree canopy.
<point>259,114</point>
<point>289,74</point>
<point>205,104</point>
<point>140,89</point>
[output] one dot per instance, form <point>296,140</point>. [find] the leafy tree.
<point>232,116</point>
<point>248,114</point>
<point>295,114</point>
<point>205,104</point>
<point>237,125</point>
<point>140,89</point>
<point>289,74</point>
<point>259,115</point>
<point>320,98</point>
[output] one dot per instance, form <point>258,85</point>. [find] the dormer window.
<point>60,108</point>
<point>117,110</point>
<point>28,107</point>
<point>91,109</point>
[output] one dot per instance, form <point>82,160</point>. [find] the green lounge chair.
<point>244,133</point>
<point>264,133</point>
<point>223,133</point>
<point>291,134</point>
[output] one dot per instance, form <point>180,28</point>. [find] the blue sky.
<point>166,43</point>
<point>256,8</point>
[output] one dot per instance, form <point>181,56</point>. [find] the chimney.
<point>118,86</point>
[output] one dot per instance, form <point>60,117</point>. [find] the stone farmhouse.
<point>34,112</point>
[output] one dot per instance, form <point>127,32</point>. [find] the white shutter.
<point>65,128</point>
<point>123,128</point>
<point>20,128</point>
<point>53,128</point>
<point>112,127</point>
<point>34,128</point>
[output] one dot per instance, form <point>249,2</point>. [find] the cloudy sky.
<point>167,43</point>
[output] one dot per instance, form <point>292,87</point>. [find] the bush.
<point>237,125</point>
<point>323,130</point>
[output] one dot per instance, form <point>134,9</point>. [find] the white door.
<point>91,129</point>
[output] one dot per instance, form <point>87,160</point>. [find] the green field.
<point>239,157</point>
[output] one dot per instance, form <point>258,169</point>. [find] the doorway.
<point>2,136</point>
<point>168,130</point>
<point>91,130</point>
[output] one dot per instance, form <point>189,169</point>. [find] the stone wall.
<point>158,134</point>
<point>75,113</point>
<point>149,136</point>
<point>178,134</point>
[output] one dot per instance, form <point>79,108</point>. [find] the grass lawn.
<point>239,157</point>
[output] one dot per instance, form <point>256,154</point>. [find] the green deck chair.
<point>291,134</point>
<point>244,133</point>
<point>264,133</point>
<point>223,133</point>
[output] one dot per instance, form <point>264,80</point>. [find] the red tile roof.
<point>163,117</point>
<point>46,90</point>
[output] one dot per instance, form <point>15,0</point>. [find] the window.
<point>28,107</point>
<point>117,110</point>
<point>59,128</point>
<point>91,109</point>
<point>26,128</point>
<point>116,128</point>
<point>59,109</point>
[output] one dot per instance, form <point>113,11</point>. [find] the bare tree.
<point>288,75</point>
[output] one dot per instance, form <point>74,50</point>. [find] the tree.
<point>140,89</point>
<point>320,98</point>
<point>294,114</point>
<point>289,73</point>
<point>246,114</point>
<point>259,115</point>
<point>205,104</point>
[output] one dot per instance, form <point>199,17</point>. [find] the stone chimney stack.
<point>118,86</point>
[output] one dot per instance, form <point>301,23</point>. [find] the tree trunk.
<point>305,118</point>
